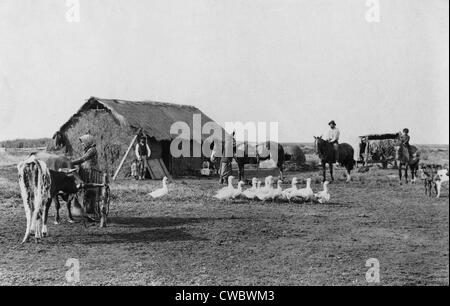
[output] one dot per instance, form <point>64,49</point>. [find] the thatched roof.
<point>154,118</point>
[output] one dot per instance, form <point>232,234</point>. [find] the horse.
<point>409,159</point>
<point>326,153</point>
<point>242,157</point>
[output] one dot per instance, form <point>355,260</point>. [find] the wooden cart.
<point>385,157</point>
<point>95,188</point>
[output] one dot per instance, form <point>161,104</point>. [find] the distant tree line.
<point>26,143</point>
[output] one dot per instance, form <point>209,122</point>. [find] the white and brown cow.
<point>35,185</point>
<point>39,187</point>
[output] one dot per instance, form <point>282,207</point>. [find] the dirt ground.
<point>190,238</point>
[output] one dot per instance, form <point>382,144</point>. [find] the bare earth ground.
<point>189,238</point>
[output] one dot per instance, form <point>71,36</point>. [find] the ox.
<point>56,163</point>
<point>41,185</point>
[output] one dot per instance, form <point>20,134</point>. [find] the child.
<point>134,169</point>
<point>206,171</point>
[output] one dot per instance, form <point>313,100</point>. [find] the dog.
<point>427,174</point>
<point>440,178</point>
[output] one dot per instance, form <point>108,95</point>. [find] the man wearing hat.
<point>332,137</point>
<point>143,153</point>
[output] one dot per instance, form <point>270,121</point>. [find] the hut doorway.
<point>166,155</point>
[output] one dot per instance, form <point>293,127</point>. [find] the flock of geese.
<point>262,193</point>
<point>269,193</point>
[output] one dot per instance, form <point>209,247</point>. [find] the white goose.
<point>266,192</point>
<point>238,191</point>
<point>287,192</point>
<point>277,193</point>
<point>158,193</point>
<point>250,193</point>
<point>226,192</point>
<point>323,196</point>
<point>260,189</point>
<point>305,193</point>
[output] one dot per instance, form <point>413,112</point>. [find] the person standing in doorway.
<point>143,154</point>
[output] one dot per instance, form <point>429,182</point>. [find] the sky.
<point>298,63</point>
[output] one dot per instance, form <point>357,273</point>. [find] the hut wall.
<point>187,165</point>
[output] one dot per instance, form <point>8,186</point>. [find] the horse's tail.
<point>348,156</point>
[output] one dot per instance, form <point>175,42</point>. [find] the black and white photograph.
<point>224,148</point>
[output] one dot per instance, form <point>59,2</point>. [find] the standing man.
<point>332,137</point>
<point>227,158</point>
<point>143,154</point>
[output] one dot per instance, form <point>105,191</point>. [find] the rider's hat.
<point>332,122</point>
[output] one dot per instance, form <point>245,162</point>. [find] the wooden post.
<point>124,157</point>
<point>104,201</point>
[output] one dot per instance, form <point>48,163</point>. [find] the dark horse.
<point>243,157</point>
<point>326,153</point>
<point>408,159</point>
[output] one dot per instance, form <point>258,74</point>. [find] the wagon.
<point>95,189</point>
<point>377,148</point>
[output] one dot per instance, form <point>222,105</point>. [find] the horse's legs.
<point>240,171</point>
<point>331,171</point>
<point>413,174</point>
<point>348,175</point>
<point>406,173</point>
<point>400,172</point>
<point>281,173</point>
<point>324,169</point>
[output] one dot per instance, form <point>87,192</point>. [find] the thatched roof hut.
<point>114,123</point>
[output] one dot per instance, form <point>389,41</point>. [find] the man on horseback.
<point>406,154</point>
<point>404,140</point>
<point>332,137</point>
